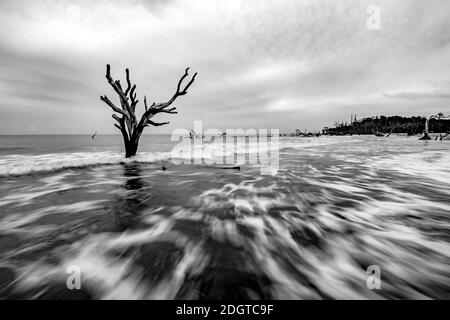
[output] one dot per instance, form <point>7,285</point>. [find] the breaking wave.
<point>211,152</point>
<point>15,165</point>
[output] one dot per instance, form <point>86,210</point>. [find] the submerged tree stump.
<point>426,136</point>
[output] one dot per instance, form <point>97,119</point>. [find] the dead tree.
<point>125,115</point>
<point>426,134</point>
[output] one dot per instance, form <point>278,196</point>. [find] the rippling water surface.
<point>336,206</point>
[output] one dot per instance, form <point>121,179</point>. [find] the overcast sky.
<point>261,64</point>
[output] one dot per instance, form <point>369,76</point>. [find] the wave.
<point>185,152</point>
<point>17,165</point>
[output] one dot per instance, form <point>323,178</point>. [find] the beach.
<point>336,206</point>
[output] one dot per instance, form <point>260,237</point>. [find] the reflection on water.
<point>336,206</point>
<point>130,205</point>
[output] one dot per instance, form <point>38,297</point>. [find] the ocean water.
<point>336,206</point>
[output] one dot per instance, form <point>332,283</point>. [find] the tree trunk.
<point>426,135</point>
<point>131,149</point>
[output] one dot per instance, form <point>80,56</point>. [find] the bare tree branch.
<point>156,124</point>
<point>121,126</point>
<point>179,92</point>
<point>184,91</point>
<point>113,106</point>
<point>145,104</point>
<point>119,120</point>
<point>123,98</point>
<point>134,102</point>
<point>113,84</point>
<point>128,81</point>
<point>171,110</point>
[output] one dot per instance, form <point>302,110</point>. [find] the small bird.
<point>163,168</point>
<point>93,136</point>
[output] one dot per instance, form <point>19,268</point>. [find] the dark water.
<point>336,206</point>
<point>49,144</point>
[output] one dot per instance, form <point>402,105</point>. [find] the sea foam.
<point>12,165</point>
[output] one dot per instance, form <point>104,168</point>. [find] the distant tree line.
<point>383,124</point>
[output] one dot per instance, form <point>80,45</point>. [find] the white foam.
<point>27,164</point>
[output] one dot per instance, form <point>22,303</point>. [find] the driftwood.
<point>125,115</point>
<point>426,134</point>
<point>390,133</point>
<point>304,134</point>
<point>444,136</point>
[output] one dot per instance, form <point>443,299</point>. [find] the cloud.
<point>260,63</point>
<point>418,95</point>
